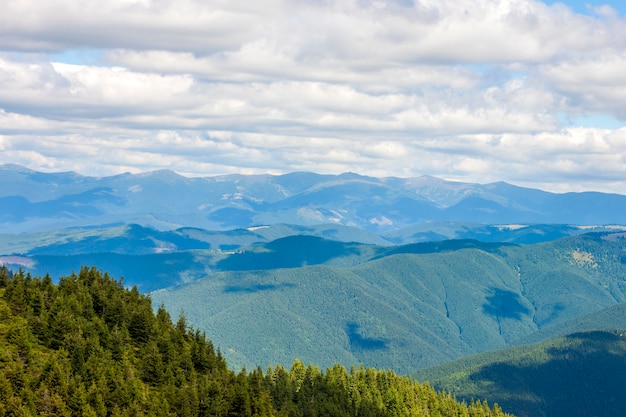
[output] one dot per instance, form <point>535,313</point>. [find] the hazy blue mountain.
<point>123,249</point>
<point>133,239</point>
<point>154,259</point>
<point>32,201</point>
<point>511,233</point>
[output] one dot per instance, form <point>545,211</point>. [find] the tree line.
<point>88,346</point>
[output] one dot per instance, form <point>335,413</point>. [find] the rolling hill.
<point>579,375</point>
<point>403,308</point>
<point>400,307</point>
<point>133,239</point>
<point>153,259</point>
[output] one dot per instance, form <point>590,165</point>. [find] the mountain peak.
<point>158,173</point>
<point>34,173</point>
<point>15,167</point>
<point>165,175</point>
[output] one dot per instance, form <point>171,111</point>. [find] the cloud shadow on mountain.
<point>363,343</point>
<point>505,304</point>
<point>288,252</point>
<point>254,288</point>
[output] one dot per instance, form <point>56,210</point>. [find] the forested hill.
<point>402,308</point>
<point>580,375</point>
<point>90,347</point>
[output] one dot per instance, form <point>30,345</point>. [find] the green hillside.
<point>90,347</point>
<point>408,307</point>
<point>580,375</point>
<point>608,318</point>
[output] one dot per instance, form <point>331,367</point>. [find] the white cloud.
<point>472,90</point>
<point>591,84</point>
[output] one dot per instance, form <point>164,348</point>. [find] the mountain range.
<point>32,201</point>
<point>400,274</point>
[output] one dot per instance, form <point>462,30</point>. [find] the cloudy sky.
<point>528,92</point>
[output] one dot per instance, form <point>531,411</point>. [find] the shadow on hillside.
<point>147,272</point>
<point>289,252</point>
<point>254,288</point>
<point>136,240</point>
<point>232,217</point>
<point>585,376</point>
<point>444,246</point>
<point>363,343</point>
<point>505,304</point>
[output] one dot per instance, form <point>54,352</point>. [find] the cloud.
<point>470,90</point>
<point>63,24</point>
<point>591,84</point>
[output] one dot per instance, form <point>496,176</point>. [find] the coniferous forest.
<point>88,346</point>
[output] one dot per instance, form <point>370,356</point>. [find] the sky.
<point>528,92</point>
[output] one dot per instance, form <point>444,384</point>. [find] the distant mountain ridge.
<point>32,201</point>
<point>153,259</point>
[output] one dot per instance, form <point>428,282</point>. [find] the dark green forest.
<point>579,375</point>
<point>89,346</point>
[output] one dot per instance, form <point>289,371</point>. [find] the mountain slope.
<point>582,374</point>
<point>406,308</point>
<point>612,317</point>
